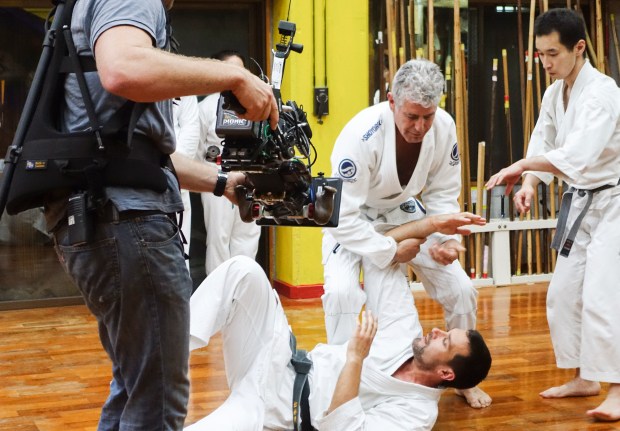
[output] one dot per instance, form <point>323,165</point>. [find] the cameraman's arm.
<point>196,176</point>
<point>129,66</point>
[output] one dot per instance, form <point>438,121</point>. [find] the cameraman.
<point>387,155</point>
<point>132,273</point>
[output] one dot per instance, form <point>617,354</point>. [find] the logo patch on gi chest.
<point>347,169</point>
<point>409,206</point>
<point>454,155</point>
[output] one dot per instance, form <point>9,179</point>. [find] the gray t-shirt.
<point>90,19</point>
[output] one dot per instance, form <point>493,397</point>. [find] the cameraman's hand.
<point>447,252</point>
<point>234,179</point>
<point>407,249</point>
<point>257,98</point>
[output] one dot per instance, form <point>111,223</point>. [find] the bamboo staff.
<point>391,38</point>
<point>2,103</point>
<point>520,53</point>
<point>614,34</point>
<point>403,34</point>
<point>488,163</point>
<point>458,104</point>
<point>411,28</point>
<point>600,38</point>
<point>449,93</point>
<point>466,158</point>
<point>527,132</point>
<point>479,204</point>
<point>508,122</point>
<point>431,31</point>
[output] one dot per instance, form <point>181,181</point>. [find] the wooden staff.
<point>391,38</point>
<point>538,81</point>
<point>411,28</point>
<point>537,216</point>
<point>520,53</point>
<point>508,121</point>
<point>527,130</point>
<point>600,38</point>
<point>614,34</point>
<point>488,167</point>
<point>479,203</point>
<point>449,93</point>
<point>431,31</point>
<point>466,158</point>
<point>2,103</point>
<point>403,34</point>
<point>458,104</point>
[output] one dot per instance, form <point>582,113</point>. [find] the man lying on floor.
<point>390,383</point>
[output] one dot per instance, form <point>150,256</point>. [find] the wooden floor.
<point>54,375</point>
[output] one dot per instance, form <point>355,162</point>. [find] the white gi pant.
<point>344,297</point>
<point>186,226</point>
<point>227,234</point>
<point>238,300</point>
<point>583,299</point>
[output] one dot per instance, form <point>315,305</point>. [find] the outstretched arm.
<point>448,224</point>
<point>410,236</point>
<point>348,384</point>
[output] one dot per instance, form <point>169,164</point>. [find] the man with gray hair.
<point>388,155</point>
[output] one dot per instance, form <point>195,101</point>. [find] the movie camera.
<point>280,189</point>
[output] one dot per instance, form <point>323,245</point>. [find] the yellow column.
<point>336,40</point>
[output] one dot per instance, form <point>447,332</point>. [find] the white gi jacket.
<point>384,403</point>
<point>364,156</point>
<point>584,141</point>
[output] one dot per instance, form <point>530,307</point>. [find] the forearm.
<point>194,175</point>
<point>538,164</point>
<point>348,384</point>
<point>413,229</point>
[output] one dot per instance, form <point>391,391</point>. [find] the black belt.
<point>301,388</point>
<point>564,245</point>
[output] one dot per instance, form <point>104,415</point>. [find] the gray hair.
<point>418,81</point>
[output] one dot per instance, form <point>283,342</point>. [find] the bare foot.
<point>577,387</point>
<point>610,409</point>
<point>475,397</point>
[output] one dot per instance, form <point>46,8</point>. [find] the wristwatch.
<point>220,184</point>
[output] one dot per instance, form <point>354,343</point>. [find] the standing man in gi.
<point>132,273</point>
<point>387,155</point>
<point>577,139</point>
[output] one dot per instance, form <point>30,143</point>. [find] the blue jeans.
<point>134,280</point>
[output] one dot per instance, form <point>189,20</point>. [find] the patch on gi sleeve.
<point>409,206</point>
<point>454,155</point>
<point>347,170</point>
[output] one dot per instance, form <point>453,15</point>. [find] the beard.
<point>418,354</point>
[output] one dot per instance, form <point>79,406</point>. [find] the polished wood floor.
<point>54,375</point>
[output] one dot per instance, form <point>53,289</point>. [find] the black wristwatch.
<point>220,184</point>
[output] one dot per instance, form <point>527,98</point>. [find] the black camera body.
<point>280,189</point>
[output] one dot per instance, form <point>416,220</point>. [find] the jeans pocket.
<point>94,268</point>
<point>156,230</point>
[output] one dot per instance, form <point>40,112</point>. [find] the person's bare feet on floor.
<point>577,387</point>
<point>475,397</point>
<point>609,410</point>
